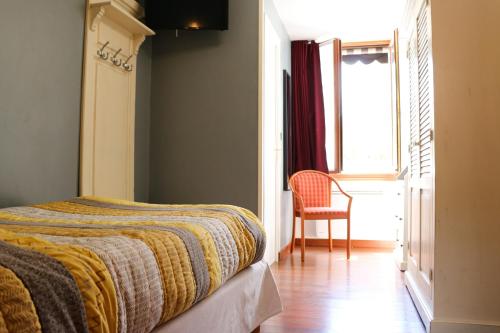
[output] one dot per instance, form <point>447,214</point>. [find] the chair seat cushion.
<point>330,212</point>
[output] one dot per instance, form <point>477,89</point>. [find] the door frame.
<point>261,108</point>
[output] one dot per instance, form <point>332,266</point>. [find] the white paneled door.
<point>421,185</point>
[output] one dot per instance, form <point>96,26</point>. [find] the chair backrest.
<point>313,186</point>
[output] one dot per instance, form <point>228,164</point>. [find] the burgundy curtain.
<point>308,112</point>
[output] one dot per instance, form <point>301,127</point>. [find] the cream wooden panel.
<point>113,123</point>
<point>414,227</point>
<point>113,37</point>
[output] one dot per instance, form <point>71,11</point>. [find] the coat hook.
<point>101,53</point>
<point>115,60</point>
<point>126,65</point>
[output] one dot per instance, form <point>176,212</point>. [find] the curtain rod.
<point>356,45</point>
<point>328,41</point>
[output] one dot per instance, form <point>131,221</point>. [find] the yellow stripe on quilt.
<point>3,325</point>
<point>90,274</point>
<point>179,289</point>
<point>17,311</point>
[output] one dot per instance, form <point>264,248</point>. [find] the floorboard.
<point>327,293</point>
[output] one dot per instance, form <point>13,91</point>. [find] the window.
<point>366,119</point>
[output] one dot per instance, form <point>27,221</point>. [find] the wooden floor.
<point>330,294</point>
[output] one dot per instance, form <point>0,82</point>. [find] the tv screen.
<point>187,14</point>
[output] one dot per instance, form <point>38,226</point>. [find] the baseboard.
<point>355,243</point>
<point>451,326</point>
<point>423,309</point>
<point>323,242</point>
<point>284,251</point>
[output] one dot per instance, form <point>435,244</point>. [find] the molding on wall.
<point>260,96</point>
<point>456,326</point>
<point>356,243</point>
<point>96,17</point>
<point>323,242</point>
<point>124,16</point>
<point>132,6</point>
<point>284,252</point>
<point>409,16</point>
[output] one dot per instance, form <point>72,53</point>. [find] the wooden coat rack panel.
<point>113,37</point>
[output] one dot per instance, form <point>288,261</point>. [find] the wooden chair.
<point>312,196</point>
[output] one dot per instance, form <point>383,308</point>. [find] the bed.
<point>93,264</point>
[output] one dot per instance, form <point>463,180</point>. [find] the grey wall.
<point>143,121</point>
<point>204,116</point>
<point>286,63</point>
<point>201,128</point>
<point>41,65</point>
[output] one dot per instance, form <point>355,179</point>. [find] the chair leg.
<point>293,234</point>
<point>302,240</point>
<point>348,245</point>
<point>330,235</point>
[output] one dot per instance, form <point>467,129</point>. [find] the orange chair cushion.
<point>323,212</point>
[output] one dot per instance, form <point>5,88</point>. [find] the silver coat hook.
<point>103,55</point>
<point>115,60</point>
<point>126,65</point>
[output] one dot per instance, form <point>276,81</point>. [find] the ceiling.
<point>349,20</point>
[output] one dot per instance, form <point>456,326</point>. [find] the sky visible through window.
<point>367,118</point>
<point>367,122</point>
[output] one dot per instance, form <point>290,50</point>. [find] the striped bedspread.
<point>100,265</point>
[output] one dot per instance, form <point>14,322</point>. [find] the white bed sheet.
<point>239,306</point>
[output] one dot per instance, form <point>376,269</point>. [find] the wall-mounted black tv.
<point>187,14</point>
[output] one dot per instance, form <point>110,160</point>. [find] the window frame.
<point>337,171</point>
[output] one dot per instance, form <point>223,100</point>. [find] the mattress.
<point>100,265</point>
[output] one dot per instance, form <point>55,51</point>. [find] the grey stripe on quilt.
<point>260,240</point>
<point>53,290</point>
<point>224,240</point>
<point>135,274</point>
<point>193,246</point>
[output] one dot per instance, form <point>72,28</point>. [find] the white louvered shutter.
<point>414,113</point>
<point>424,91</point>
<point>419,53</point>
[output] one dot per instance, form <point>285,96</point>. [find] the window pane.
<point>367,127</point>
<point>327,71</point>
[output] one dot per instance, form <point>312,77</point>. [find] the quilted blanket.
<point>100,265</point>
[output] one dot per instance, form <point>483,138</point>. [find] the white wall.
<point>467,143</point>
